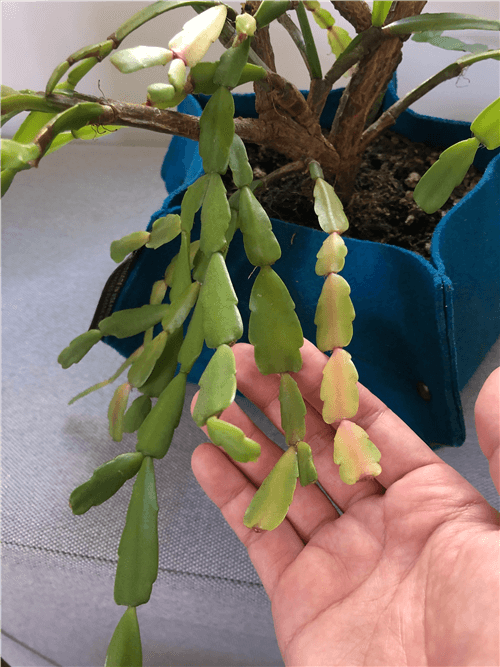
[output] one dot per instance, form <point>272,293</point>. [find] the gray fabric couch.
<point>208,606</point>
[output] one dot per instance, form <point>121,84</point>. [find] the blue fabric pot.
<point>417,321</point>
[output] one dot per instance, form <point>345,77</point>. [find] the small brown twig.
<point>277,174</point>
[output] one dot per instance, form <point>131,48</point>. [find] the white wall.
<point>36,36</point>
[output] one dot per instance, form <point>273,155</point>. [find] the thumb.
<point>487,415</point>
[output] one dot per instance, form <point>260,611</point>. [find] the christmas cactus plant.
<point>195,303</point>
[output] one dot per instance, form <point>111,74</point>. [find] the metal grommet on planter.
<point>423,391</point>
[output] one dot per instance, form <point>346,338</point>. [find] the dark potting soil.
<point>382,207</point>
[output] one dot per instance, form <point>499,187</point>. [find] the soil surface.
<point>382,208</point>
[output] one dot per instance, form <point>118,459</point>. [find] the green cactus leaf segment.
<point>111,379</point>
<point>18,156</point>
<point>261,245</point>
<point>192,202</point>
<point>7,178</point>
<point>334,314</point>
<point>315,171</point>
<point>322,16</point>
<point>125,648</point>
<point>307,469</point>
<point>7,90</point>
<point>80,71</point>
<point>158,292</point>
<point>238,161</point>
<point>14,104</point>
<point>165,367</point>
<point>339,391</point>
<point>197,34</point>
<point>143,366</point>
<point>252,73</point>
<point>182,270</point>
<point>331,256</point>
<point>270,503</point>
<point>72,119</point>
<point>338,40</point>
<point>232,440</point>
<point>293,410</point>
<point>116,411</point>
<point>438,182</point>
<point>202,76</point>
<point>310,45</point>
<point>217,131</point>
<point>32,125</point>
<point>328,208</point>
<point>215,216</point>
<point>127,244</point>
<point>192,344</point>
<point>486,126</point>
<point>129,322</point>
<point>177,74</point>
<point>246,24</point>
<point>274,328</point>
<point>164,230</point>
<point>234,199</point>
<point>231,64</point>
<point>356,454</point>
<point>233,225</point>
<point>155,433</point>
<point>217,386</point>
<point>201,262</point>
<point>136,414</point>
<point>105,482</point>
<point>269,10</point>
<point>222,323</point>
<point>152,11</point>
<point>379,12</point>
<point>79,347</point>
<point>436,38</point>
<point>194,246</point>
<point>62,139</point>
<point>56,76</point>
<point>140,57</point>
<point>100,50</point>
<point>89,133</point>
<point>137,567</point>
<point>440,21</point>
<point>164,95</point>
<point>180,308</point>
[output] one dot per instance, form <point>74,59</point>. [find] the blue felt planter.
<point>417,321</point>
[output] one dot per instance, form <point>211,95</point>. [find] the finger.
<point>271,552</point>
<point>487,416</point>
<point>402,450</point>
<point>310,508</point>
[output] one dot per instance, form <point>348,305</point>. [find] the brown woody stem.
<point>273,132</point>
<point>357,13</point>
<point>390,116</point>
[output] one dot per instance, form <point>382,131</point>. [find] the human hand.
<point>407,575</point>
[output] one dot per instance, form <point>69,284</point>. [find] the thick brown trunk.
<point>370,79</point>
<point>357,13</point>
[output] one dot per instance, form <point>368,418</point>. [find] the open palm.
<point>407,575</point>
